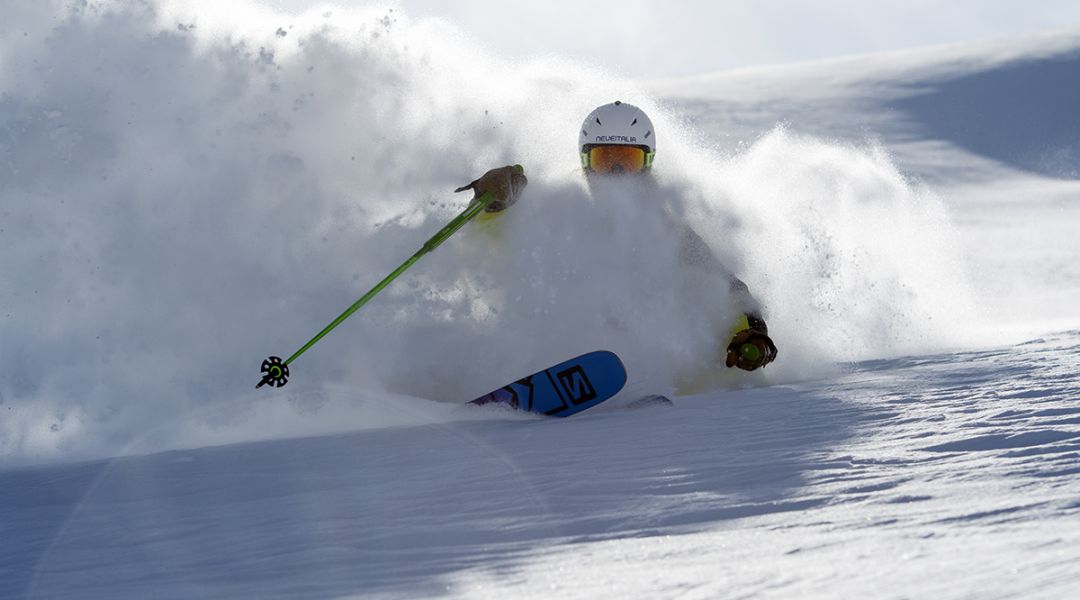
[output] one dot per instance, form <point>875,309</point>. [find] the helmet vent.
<point>598,122</point>
<point>634,123</point>
<point>648,133</point>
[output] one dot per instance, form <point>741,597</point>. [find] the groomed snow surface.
<point>185,189</point>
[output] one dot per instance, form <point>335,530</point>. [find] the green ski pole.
<point>276,372</point>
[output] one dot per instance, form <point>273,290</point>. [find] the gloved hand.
<point>506,183</point>
<point>750,349</point>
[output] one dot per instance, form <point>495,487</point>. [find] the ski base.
<point>564,389</point>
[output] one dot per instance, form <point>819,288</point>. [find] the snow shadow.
<point>424,511</point>
<point>1023,114</point>
<point>409,510</point>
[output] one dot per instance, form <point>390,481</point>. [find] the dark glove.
<point>750,349</point>
<point>505,183</point>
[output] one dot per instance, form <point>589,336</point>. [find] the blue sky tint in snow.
<point>186,190</point>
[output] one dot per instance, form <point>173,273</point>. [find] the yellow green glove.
<point>750,349</point>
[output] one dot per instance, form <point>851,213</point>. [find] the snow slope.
<point>179,186</point>
<point>943,475</point>
<point>991,127</point>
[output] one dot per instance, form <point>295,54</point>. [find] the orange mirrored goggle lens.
<point>616,159</point>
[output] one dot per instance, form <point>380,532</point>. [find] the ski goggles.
<point>616,159</point>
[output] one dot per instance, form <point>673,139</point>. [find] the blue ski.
<point>565,389</point>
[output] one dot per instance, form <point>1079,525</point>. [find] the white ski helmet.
<point>617,124</point>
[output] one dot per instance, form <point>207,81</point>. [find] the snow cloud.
<point>185,190</point>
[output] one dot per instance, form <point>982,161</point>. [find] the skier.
<point>618,140</point>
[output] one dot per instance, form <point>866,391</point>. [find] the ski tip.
<point>611,355</point>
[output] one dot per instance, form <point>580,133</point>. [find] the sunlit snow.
<point>186,189</point>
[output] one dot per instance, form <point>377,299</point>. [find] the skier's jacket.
<point>695,253</point>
